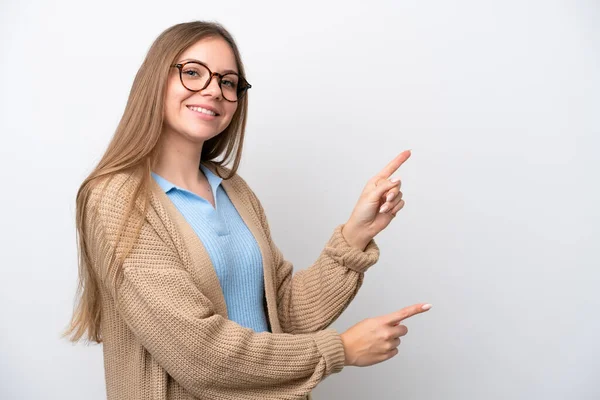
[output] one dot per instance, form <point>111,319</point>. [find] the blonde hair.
<point>133,149</point>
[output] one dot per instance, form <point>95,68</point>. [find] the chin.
<point>200,135</point>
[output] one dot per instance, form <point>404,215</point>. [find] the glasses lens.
<point>229,86</point>
<point>194,76</point>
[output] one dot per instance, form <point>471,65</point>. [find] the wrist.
<point>345,346</point>
<point>354,237</point>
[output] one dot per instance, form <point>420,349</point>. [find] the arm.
<point>210,356</point>
<point>312,299</point>
<point>315,297</point>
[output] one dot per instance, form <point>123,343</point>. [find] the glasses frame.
<point>243,84</point>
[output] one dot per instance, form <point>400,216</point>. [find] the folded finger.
<point>392,194</point>
<point>397,207</point>
<point>400,330</point>
<point>382,187</point>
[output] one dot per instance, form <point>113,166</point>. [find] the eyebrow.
<point>227,71</point>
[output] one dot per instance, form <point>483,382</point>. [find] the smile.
<point>202,110</point>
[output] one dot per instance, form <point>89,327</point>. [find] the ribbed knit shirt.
<point>231,246</point>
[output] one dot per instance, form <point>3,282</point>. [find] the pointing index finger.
<point>407,312</point>
<point>394,164</point>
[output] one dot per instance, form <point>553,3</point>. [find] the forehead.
<point>214,52</point>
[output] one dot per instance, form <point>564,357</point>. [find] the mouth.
<point>203,110</point>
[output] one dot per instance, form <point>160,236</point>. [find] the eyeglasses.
<point>195,76</point>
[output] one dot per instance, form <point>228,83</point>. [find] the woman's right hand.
<point>374,340</point>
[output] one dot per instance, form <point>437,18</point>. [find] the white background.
<point>499,101</point>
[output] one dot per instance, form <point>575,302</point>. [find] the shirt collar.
<point>213,179</point>
<point>166,186</point>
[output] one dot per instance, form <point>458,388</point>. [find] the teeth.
<point>203,110</point>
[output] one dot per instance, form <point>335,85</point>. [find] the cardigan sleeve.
<point>213,357</point>
<point>312,299</point>
<point>210,356</point>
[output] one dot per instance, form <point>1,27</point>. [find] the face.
<point>181,111</point>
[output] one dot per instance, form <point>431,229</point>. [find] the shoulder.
<point>114,190</point>
<point>109,200</point>
<point>115,216</point>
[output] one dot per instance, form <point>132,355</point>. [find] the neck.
<point>179,160</point>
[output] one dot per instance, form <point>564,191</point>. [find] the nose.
<point>213,87</point>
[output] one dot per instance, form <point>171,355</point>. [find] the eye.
<point>193,72</point>
<point>228,83</point>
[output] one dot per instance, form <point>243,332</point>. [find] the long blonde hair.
<point>133,149</point>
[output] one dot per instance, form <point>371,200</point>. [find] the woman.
<point>179,277</point>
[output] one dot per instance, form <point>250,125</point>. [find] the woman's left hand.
<point>377,205</point>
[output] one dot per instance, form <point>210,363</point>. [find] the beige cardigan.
<point>167,335</point>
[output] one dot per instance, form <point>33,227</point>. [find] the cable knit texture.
<point>165,329</point>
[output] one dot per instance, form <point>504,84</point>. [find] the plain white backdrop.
<point>499,101</point>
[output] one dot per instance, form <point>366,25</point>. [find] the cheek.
<point>173,103</point>
<point>169,112</point>
<point>230,112</point>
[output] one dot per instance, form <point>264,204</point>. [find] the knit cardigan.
<point>164,324</point>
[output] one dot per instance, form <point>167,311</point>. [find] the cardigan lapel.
<point>190,247</point>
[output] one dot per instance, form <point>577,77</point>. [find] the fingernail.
<point>426,307</point>
<point>383,208</point>
<point>389,197</point>
<point>394,180</point>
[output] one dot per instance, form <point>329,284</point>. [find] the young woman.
<point>179,277</point>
